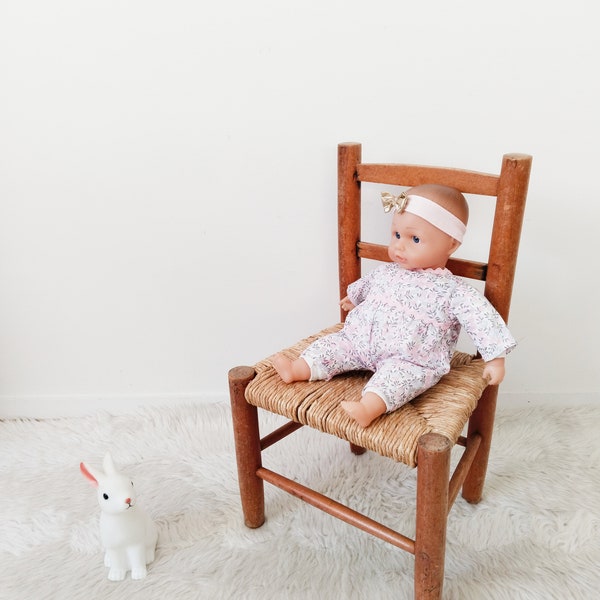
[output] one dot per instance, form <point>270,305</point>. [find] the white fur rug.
<point>536,534</point>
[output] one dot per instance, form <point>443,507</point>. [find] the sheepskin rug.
<point>536,533</point>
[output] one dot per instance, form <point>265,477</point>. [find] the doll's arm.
<point>358,290</point>
<point>484,325</point>
<point>494,371</point>
<point>347,304</point>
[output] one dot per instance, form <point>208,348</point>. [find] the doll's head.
<point>428,225</point>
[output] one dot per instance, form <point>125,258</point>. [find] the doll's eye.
<point>105,496</point>
<point>416,239</point>
<point>397,235</point>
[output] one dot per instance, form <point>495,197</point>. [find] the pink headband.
<point>426,209</point>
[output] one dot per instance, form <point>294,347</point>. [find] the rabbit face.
<point>116,495</point>
<point>115,490</point>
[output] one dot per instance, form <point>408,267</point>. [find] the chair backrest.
<point>508,189</point>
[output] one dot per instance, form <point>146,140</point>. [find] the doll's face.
<point>417,244</point>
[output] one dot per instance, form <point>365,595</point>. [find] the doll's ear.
<point>88,475</point>
<point>454,246</point>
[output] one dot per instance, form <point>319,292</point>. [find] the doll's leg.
<point>324,358</point>
<point>394,384</point>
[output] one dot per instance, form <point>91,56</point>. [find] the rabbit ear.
<point>88,474</point>
<point>108,464</point>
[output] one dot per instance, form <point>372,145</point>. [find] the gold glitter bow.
<point>391,202</point>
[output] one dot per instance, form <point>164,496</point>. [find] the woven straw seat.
<point>443,409</point>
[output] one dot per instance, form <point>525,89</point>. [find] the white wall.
<point>153,154</point>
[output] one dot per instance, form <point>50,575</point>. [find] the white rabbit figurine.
<point>127,532</point>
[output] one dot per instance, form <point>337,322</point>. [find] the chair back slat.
<point>468,182</point>
<point>459,266</point>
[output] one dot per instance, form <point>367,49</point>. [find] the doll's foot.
<point>357,412</point>
<point>291,370</point>
<point>367,410</point>
<point>283,366</point>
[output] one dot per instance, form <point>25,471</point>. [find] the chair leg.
<point>433,475</point>
<point>358,450</point>
<point>481,422</point>
<point>247,447</point>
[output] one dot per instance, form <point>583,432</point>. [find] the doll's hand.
<point>346,304</point>
<point>494,371</point>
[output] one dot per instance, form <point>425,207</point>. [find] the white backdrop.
<point>168,173</point>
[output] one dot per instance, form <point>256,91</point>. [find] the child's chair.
<point>422,433</point>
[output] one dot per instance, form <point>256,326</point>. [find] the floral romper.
<point>404,328</point>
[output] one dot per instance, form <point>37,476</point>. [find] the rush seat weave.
<point>444,408</point>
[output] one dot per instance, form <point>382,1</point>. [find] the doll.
<point>404,318</point>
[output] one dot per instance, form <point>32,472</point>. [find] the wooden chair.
<point>422,433</point>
